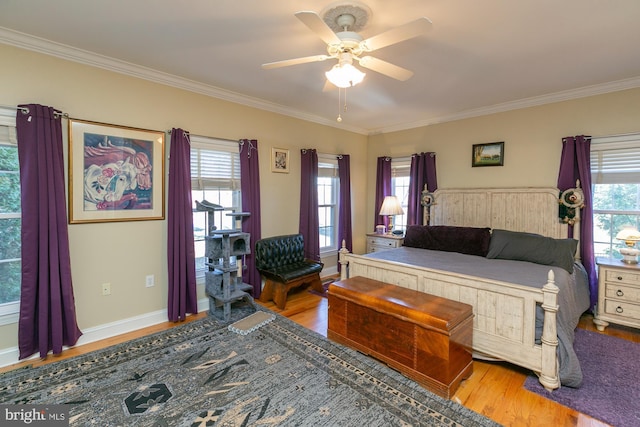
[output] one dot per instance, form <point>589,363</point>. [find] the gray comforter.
<point>573,297</point>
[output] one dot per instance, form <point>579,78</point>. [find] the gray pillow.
<point>530,247</point>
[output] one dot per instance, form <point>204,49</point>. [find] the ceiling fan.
<point>339,29</point>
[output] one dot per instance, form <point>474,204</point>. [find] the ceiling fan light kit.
<point>339,30</point>
<point>344,74</point>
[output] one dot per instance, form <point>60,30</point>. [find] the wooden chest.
<point>426,338</point>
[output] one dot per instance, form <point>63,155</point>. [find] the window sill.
<point>329,252</point>
<point>9,313</point>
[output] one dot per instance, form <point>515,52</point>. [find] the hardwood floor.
<point>494,390</point>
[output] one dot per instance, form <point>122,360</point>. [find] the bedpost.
<point>576,227</point>
<point>549,373</point>
<point>344,264</point>
<point>573,200</point>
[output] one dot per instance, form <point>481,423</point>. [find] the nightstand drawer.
<point>619,308</point>
<point>623,277</point>
<point>382,242</point>
<point>622,292</point>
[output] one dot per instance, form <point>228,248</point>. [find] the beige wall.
<point>124,253</point>
<point>532,137</point>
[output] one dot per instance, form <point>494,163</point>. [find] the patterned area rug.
<point>202,374</point>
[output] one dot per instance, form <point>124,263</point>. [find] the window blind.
<point>8,135</point>
<point>400,167</point>
<point>327,165</point>
<point>616,159</point>
<point>214,164</point>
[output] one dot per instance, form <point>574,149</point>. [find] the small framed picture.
<point>491,154</point>
<point>279,160</point>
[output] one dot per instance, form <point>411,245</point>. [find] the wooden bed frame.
<point>504,313</point>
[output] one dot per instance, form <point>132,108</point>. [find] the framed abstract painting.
<point>116,173</point>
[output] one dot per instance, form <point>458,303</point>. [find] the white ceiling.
<point>481,56</point>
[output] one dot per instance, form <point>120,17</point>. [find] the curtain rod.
<point>211,137</point>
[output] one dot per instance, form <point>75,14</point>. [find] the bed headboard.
<point>533,210</point>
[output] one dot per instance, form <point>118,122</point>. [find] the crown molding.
<point>565,95</point>
<point>47,47</point>
<point>59,50</point>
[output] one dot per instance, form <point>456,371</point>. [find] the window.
<point>400,177</point>
<point>328,187</point>
<point>215,177</point>
<point>615,174</point>
<point>10,223</point>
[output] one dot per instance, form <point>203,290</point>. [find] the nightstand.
<point>378,242</point>
<point>618,294</point>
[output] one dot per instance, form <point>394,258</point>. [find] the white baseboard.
<point>10,356</point>
<point>329,271</point>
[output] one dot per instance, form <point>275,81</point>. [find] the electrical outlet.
<point>150,281</point>
<point>106,289</point>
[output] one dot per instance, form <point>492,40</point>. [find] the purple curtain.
<point>575,164</point>
<point>383,188</point>
<point>250,182</point>
<point>344,203</point>
<point>180,252</point>
<point>47,305</point>
<point>309,222</point>
<point>423,171</point>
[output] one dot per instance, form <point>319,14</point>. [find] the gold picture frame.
<point>279,160</point>
<point>116,173</point>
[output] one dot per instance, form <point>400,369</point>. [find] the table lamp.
<point>630,235</point>
<point>391,207</point>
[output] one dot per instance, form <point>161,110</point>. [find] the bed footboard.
<point>504,313</point>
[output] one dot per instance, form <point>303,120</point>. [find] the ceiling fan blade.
<point>397,35</point>
<point>386,68</point>
<point>318,26</point>
<point>296,61</point>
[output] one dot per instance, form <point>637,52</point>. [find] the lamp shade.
<point>629,234</point>
<point>391,206</point>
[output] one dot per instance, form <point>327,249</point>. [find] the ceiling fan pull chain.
<point>339,119</point>
<point>345,100</point>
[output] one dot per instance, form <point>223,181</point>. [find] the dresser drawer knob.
<point>619,293</point>
<point>619,309</point>
<point>619,277</point>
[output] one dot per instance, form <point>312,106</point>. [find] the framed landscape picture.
<point>491,154</point>
<point>116,173</point>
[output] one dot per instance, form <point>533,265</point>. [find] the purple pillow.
<point>465,240</point>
